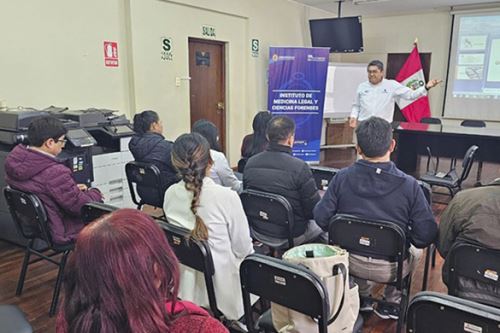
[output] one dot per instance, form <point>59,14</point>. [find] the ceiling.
<point>391,7</point>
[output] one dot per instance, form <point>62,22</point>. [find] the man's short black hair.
<point>280,128</point>
<point>44,128</point>
<point>378,63</point>
<point>374,136</point>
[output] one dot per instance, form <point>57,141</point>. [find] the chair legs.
<point>405,297</point>
<point>59,280</point>
<point>402,313</point>
<point>24,268</point>
<point>434,257</point>
<point>479,172</point>
<point>60,274</point>
<point>429,252</point>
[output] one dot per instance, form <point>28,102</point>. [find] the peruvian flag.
<point>412,76</point>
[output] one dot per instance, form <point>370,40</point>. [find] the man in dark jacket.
<point>35,169</point>
<point>472,216</point>
<point>148,145</point>
<point>373,188</point>
<point>277,171</point>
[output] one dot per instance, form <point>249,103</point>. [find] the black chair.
<point>323,175</point>
<point>430,120</point>
<point>196,255</point>
<point>434,121</point>
<point>95,210</point>
<point>31,219</point>
<point>451,180</point>
<point>476,265</point>
<point>287,284</point>
<point>476,123</point>
<point>375,239</point>
<point>431,312</point>
<point>430,252</point>
<point>144,182</point>
<point>12,320</point>
<point>269,214</point>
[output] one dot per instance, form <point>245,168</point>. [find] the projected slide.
<point>477,58</point>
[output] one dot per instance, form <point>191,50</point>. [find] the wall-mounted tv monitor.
<point>341,35</point>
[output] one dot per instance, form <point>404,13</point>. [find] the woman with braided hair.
<point>213,213</point>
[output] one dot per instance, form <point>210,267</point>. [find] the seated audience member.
<point>124,277</point>
<point>277,171</point>
<point>257,141</point>
<point>148,145</point>
<point>220,172</point>
<point>473,215</point>
<point>36,169</point>
<point>213,213</point>
<point>373,188</point>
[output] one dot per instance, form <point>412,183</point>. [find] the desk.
<point>444,141</point>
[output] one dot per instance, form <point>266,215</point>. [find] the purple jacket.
<point>32,171</point>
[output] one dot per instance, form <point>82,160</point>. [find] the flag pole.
<point>415,42</point>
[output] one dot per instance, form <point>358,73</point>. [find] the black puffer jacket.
<point>153,148</point>
<point>277,171</point>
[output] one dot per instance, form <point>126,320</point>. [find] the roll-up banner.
<point>297,80</point>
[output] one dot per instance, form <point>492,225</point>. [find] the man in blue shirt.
<point>373,188</point>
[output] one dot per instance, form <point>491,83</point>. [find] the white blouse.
<point>228,238</point>
<point>221,172</point>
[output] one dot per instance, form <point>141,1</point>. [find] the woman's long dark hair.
<point>191,156</point>
<point>209,131</point>
<point>259,125</point>
<point>119,277</point>
<point>144,120</point>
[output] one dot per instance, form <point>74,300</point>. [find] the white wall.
<point>236,22</point>
<point>52,54</point>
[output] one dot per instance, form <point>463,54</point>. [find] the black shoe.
<point>387,311</point>
<point>366,305</point>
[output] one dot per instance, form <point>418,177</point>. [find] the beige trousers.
<point>369,271</point>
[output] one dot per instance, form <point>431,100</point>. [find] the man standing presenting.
<point>376,96</point>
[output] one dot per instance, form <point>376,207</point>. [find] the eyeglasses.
<point>62,141</point>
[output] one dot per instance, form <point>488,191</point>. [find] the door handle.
<point>220,107</point>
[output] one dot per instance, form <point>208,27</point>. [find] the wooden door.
<point>207,84</point>
<point>394,63</point>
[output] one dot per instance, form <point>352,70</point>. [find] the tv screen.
<point>341,35</point>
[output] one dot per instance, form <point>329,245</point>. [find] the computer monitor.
<point>341,35</point>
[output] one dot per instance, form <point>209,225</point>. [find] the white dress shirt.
<point>378,100</point>
<point>228,238</point>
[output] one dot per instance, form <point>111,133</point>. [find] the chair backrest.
<point>29,214</point>
<point>269,214</point>
<point>473,123</point>
<point>194,254</point>
<point>468,161</point>
<point>431,312</point>
<point>370,238</point>
<point>146,179</point>
<point>472,262</point>
<point>323,175</point>
<point>94,210</point>
<point>286,284</point>
<point>430,120</point>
